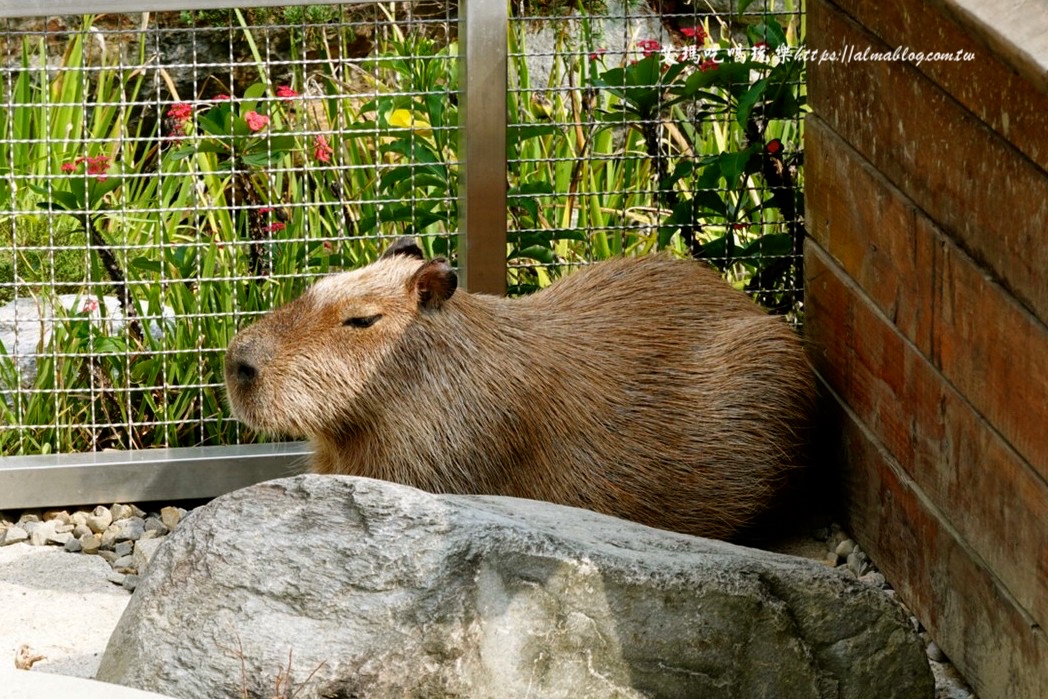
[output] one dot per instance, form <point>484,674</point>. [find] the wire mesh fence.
<point>167,177</point>
<point>640,126</point>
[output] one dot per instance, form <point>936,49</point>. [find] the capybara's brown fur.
<point>645,388</point>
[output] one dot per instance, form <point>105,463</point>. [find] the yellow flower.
<point>405,119</point>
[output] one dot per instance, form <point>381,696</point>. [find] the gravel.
<point>125,536</point>
<point>844,553</point>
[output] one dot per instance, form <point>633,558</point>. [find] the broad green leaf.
<point>748,100</point>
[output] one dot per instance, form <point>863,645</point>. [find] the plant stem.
<point>116,274</point>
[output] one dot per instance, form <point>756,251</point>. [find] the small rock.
<point>100,519</point>
<point>116,578</point>
<point>121,511</point>
<point>831,559</point>
<point>109,538</point>
<point>60,539</point>
<point>63,527</point>
<point>845,548</point>
<point>27,517</point>
<point>144,551</point>
<point>150,534</point>
<point>39,532</point>
<point>155,524</point>
<point>130,582</point>
<point>124,548</point>
<point>125,564</point>
<point>171,516</point>
<point>858,563</point>
<point>131,529</point>
<point>73,545</point>
<point>60,515</point>
<point>81,530</point>
<point>90,543</point>
<point>935,652</point>
<point>107,555</point>
<point>79,518</point>
<point>874,579</point>
<point>949,684</point>
<point>13,535</point>
<point>137,511</point>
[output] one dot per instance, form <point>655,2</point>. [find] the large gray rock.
<point>382,590</point>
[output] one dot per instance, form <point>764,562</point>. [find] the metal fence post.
<point>483,51</point>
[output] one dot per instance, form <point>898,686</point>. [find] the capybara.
<point>645,388</point>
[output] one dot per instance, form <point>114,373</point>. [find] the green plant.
<point>693,148</point>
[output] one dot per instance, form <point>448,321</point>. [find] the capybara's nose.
<point>244,372</point>
<point>244,361</point>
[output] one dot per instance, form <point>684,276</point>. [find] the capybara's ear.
<point>405,245</point>
<point>435,282</point>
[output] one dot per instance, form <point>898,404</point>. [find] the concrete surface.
<point>60,605</point>
<point>21,684</point>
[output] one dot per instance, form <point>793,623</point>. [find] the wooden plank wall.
<point>926,308</point>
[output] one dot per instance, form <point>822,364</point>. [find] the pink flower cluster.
<point>255,121</point>
<point>649,47</point>
<point>97,166</point>
<point>696,33</point>
<point>181,113</point>
<point>322,150</point>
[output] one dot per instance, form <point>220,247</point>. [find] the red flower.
<point>649,46</point>
<point>256,121</point>
<point>96,165</point>
<point>708,64</point>
<point>697,33</point>
<point>597,54</point>
<point>221,98</point>
<point>286,92</point>
<point>275,226</point>
<point>90,305</point>
<point>180,111</point>
<point>774,146</point>
<point>322,151</point>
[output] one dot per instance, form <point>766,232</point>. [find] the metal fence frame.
<point>204,472</point>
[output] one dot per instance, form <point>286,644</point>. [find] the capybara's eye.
<point>362,321</point>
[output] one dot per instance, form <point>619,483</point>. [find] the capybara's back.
<point>646,388</point>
